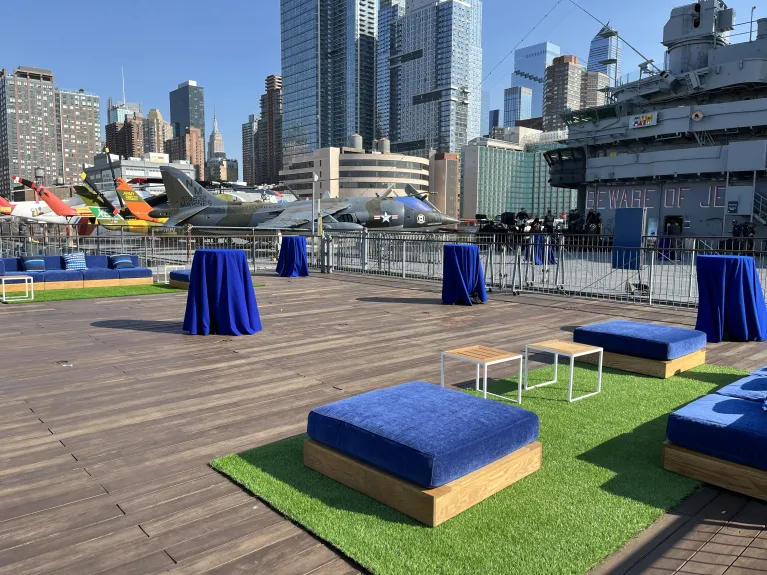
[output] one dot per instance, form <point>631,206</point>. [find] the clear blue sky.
<point>230,47</point>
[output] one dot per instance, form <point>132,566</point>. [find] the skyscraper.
<point>387,44</point>
<point>216,141</point>
<point>156,132</point>
<point>493,120</point>
<point>564,91</point>
<point>116,112</point>
<point>126,139</point>
<point>328,64</point>
<point>529,68</point>
<point>188,147</point>
<point>249,130</point>
<point>268,161</point>
<point>485,110</point>
<point>605,54</point>
<point>517,105</point>
<point>28,128</point>
<point>79,120</point>
<point>187,108</point>
<point>436,92</point>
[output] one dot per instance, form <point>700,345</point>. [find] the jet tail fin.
<point>54,202</point>
<point>183,191</point>
<point>411,191</point>
<point>134,202</point>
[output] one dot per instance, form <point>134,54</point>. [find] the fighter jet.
<point>191,204</point>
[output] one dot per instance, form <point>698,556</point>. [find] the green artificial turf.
<point>97,292</point>
<point>600,484</point>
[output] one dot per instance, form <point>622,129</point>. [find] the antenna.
<point>122,73</point>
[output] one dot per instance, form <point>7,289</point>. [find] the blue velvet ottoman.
<point>752,387</point>
<point>428,451</point>
<point>722,440</point>
<point>650,349</point>
<point>179,278</point>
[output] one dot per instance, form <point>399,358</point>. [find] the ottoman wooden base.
<point>178,284</point>
<point>651,367</point>
<point>431,506</point>
<point>733,476</point>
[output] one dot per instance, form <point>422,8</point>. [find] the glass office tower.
<point>187,108</point>
<point>529,68</point>
<point>517,105</point>
<point>605,54</point>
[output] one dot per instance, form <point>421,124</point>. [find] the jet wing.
<point>182,216</point>
<point>295,217</point>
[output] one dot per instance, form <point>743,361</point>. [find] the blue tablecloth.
<point>730,299</point>
<point>462,275</point>
<point>221,298</point>
<point>292,262</point>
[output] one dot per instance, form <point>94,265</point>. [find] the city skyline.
<point>98,72</point>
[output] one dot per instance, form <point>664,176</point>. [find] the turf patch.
<point>601,483</point>
<point>99,292</point>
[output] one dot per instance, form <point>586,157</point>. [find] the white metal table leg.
<point>519,383</point>
<point>599,373</point>
<point>484,381</point>
<point>526,367</point>
<point>556,367</point>
<point>570,387</point>
<point>476,381</point>
<point>442,370</point>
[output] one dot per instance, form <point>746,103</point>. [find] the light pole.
<point>751,24</point>
<point>315,179</point>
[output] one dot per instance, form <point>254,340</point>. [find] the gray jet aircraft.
<point>191,204</point>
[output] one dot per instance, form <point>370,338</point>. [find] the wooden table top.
<point>566,347</point>
<point>482,354</point>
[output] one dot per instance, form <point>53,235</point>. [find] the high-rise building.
<point>529,69</point>
<point>493,120</point>
<point>216,141</point>
<point>485,110</point>
<point>594,89</point>
<point>249,130</point>
<point>156,132</point>
<point>188,147</point>
<point>605,54</point>
<point>436,94</point>
<point>387,43</point>
<point>268,161</point>
<point>79,122</point>
<point>221,170</point>
<point>328,64</point>
<point>127,139</point>
<point>563,91</point>
<point>117,111</point>
<point>28,127</point>
<point>517,105</point>
<point>187,108</point>
<point>445,183</point>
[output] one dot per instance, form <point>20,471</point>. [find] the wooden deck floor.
<point>109,415</point>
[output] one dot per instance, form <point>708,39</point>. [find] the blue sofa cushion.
<point>421,432</point>
<point>75,261</point>
<point>130,273</point>
<point>12,265</point>
<point>751,387</point>
<point>97,262</point>
<point>33,263</point>
<point>120,262</point>
<point>62,275</point>
<point>725,427</point>
<point>760,371</point>
<point>181,275</point>
<point>100,274</point>
<point>662,342</point>
<point>37,275</point>
<point>54,263</point>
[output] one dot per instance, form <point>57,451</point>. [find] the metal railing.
<point>661,271</point>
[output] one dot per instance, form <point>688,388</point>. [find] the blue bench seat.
<point>724,427</point>
<point>646,340</point>
<point>423,433</point>
<point>181,275</point>
<point>751,387</point>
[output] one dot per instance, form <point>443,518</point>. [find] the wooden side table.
<point>29,288</point>
<point>568,349</point>
<point>483,357</point>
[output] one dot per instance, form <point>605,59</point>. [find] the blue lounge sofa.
<point>423,449</point>
<point>722,438</point>
<point>651,349</point>
<point>99,273</point>
<point>180,278</point>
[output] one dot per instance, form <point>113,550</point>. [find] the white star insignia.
<point>386,217</point>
